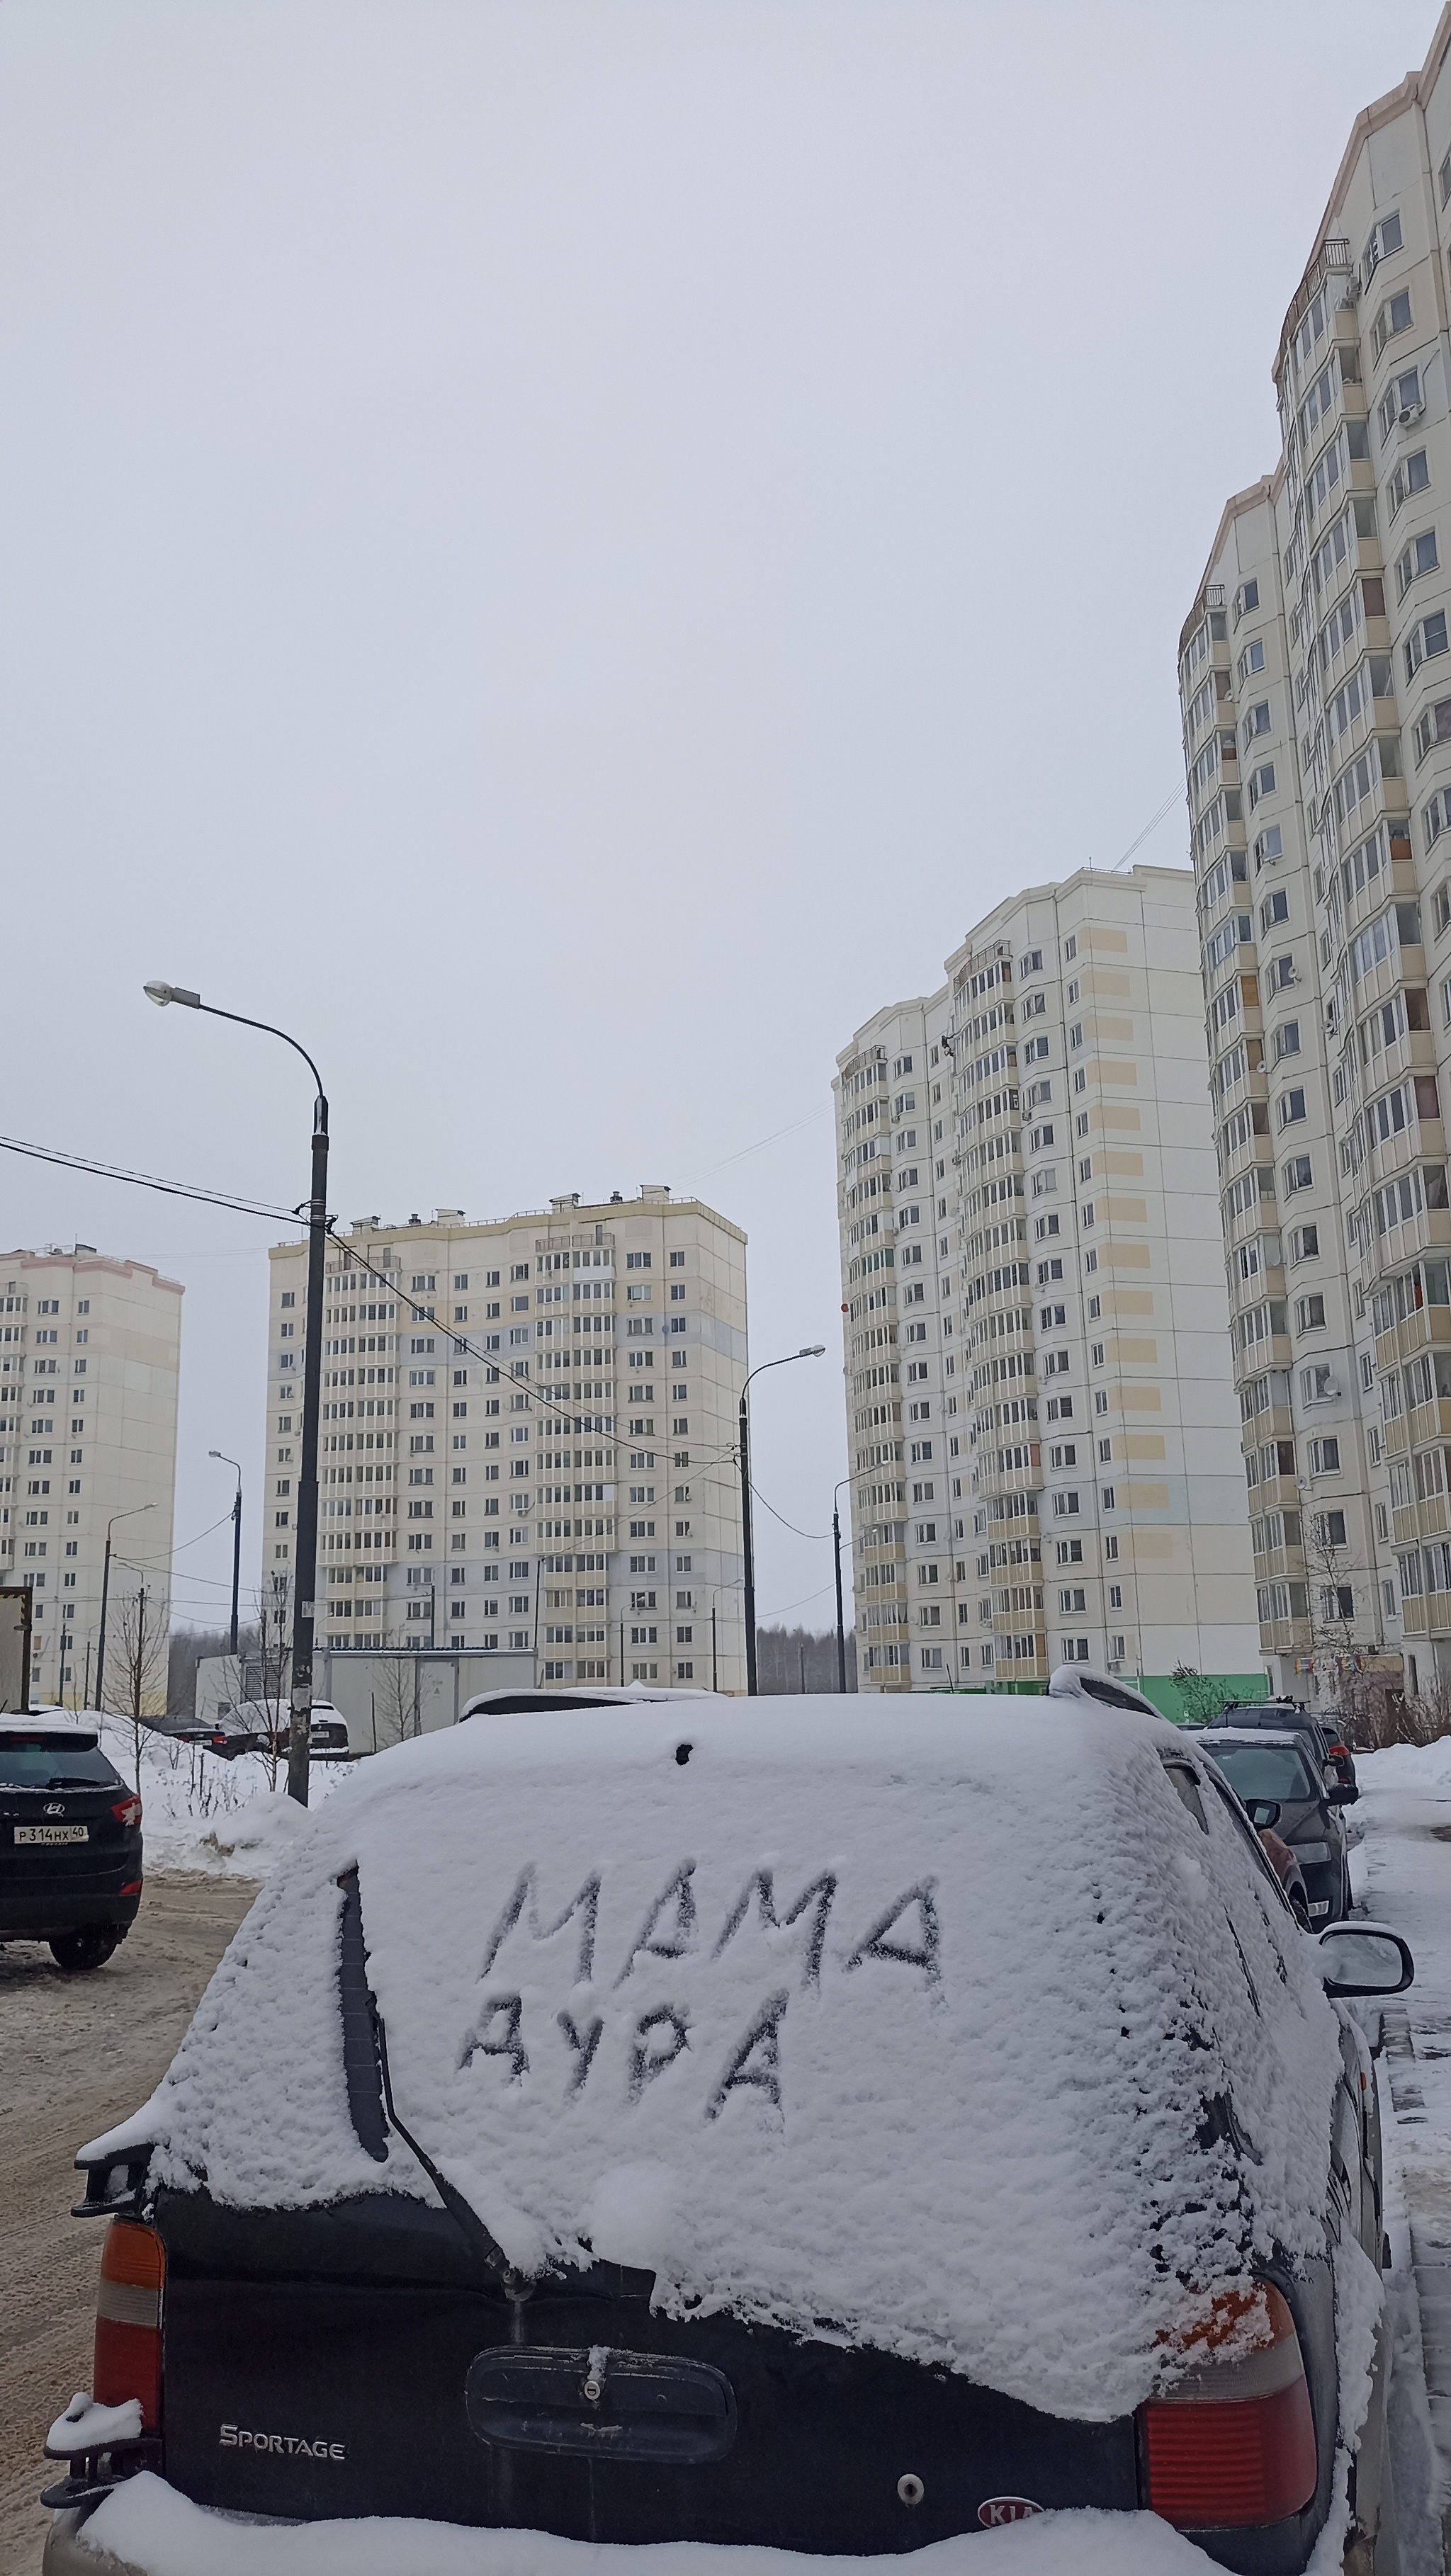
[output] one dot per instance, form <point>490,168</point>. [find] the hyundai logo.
<point>55,1807</point>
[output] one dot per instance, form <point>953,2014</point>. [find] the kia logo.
<point>996,2509</point>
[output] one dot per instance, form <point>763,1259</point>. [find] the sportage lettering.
<point>235,2437</point>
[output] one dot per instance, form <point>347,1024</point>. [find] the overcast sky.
<point>565,554</point>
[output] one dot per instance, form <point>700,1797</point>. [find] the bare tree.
<point>394,1700</point>
<point>274,1654</point>
<point>141,1648</point>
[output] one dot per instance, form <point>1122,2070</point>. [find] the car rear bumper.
<point>40,1913</point>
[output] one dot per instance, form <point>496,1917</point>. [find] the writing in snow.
<point>905,1933</point>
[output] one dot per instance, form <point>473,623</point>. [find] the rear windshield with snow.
<point>943,2026</point>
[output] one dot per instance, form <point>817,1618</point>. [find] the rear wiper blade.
<point>370,2088</point>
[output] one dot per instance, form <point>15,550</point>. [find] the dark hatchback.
<point>1281,1769</point>
<point>376,2354</point>
<point>70,1842</point>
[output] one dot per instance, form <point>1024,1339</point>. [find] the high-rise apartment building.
<point>527,1437</point>
<point>90,1363</point>
<point>1315,683</point>
<point>1043,1435</point>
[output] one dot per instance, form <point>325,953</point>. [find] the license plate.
<point>52,1833</point>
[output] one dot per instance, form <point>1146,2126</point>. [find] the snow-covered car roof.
<point>51,1721</point>
<point>943,2026</point>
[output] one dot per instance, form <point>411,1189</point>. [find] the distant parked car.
<point>1281,1769</point>
<point>1280,1716</point>
<point>705,2121</point>
<point>70,1841</point>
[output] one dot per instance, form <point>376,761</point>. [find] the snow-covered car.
<point>1260,1766</point>
<point>70,1841</point>
<point>833,2124</point>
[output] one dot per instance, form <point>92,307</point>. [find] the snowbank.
<point>147,2525</point>
<point>944,2028</point>
<point>1406,1766</point>
<point>204,1814</point>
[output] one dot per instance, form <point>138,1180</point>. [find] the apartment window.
<point>1305,1243</point>
<point>1276,907</point>
<point>1297,1173</point>
<point>1393,318</point>
<point>1291,1107</point>
<point>1070,1551</point>
<point>1418,557</point>
<point>1310,1314</point>
<point>1257,721</point>
<point>1287,1038</point>
<point>1246,598</point>
<point>1070,947</point>
<point>1411,475</point>
<point>1317,1384</point>
<point>1252,659</point>
<point>1425,641</point>
<point>1385,237</point>
<point>1325,1457</point>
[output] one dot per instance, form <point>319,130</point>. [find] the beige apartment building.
<point>1044,1440</point>
<point>1315,685</point>
<point>528,1437</point>
<point>90,1363</point>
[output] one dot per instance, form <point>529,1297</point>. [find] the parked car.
<point>1285,1715</point>
<point>70,1841</point>
<point>1263,1766</point>
<point>722,2121</point>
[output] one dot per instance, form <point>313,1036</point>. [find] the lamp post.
<point>105,1596</point>
<point>304,1574</point>
<point>810,1351</point>
<point>840,1622</point>
<point>236,1538</point>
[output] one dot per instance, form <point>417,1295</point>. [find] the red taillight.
<point>127,1811</point>
<point>1233,2441</point>
<point>128,2319</point>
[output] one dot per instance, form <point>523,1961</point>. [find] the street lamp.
<point>811,1351</point>
<point>840,1622</point>
<point>127,1515</point>
<point>236,1536</point>
<point>305,1560</point>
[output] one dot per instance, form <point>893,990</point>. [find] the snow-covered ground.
<point>201,1813</point>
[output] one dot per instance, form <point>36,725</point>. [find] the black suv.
<point>70,1842</point>
<point>1285,1716</point>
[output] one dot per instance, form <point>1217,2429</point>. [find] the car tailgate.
<point>317,2363</point>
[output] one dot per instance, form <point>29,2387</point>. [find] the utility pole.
<point>840,1621</point>
<point>810,1351</point>
<point>714,1656</point>
<point>304,1606</point>
<point>236,1542</point>
<point>105,1596</point>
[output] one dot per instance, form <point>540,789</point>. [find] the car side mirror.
<point>1263,1813</point>
<point>1339,1793</point>
<point>1365,1959</point>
